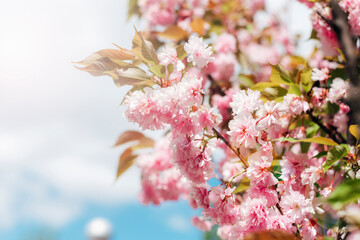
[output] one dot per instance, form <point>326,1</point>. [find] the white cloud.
<point>57,123</point>
<point>179,223</point>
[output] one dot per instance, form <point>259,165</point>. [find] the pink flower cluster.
<point>219,126</point>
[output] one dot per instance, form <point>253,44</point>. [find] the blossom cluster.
<point>239,106</point>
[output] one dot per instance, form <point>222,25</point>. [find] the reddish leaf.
<point>126,160</point>
<point>271,235</point>
<point>129,136</point>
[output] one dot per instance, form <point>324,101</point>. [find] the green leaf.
<point>334,154</point>
<point>320,154</point>
<point>262,85</point>
<point>270,90</point>
<point>246,80</point>
<point>132,8</point>
<point>144,49</point>
<point>294,89</point>
<point>181,53</point>
<point>318,140</point>
<point>243,185</point>
<point>280,75</point>
<point>347,192</point>
<point>158,70</point>
<point>170,68</point>
<point>354,130</point>
<point>130,76</point>
<point>305,80</point>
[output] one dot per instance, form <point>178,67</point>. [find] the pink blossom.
<point>307,3</point>
<point>327,36</point>
<point>225,43</point>
<point>222,103</point>
<point>261,54</point>
<point>354,20</point>
<point>223,210</point>
<point>254,217</point>
<point>292,165</point>
<point>320,74</point>
<point>319,96</point>
<point>326,191</point>
<point>243,132</point>
<point>224,65</point>
<point>294,104</point>
<point>199,52</point>
<point>257,190</point>
<point>193,163</point>
<point>279,221</point>
<point>308,230</point>
<point>224,232</point>
<point>294,205</point>
<point>199,197</point>
<point>168,55</point>
<point>198,7</point>
<point>162,186</point>
<point>339,89</point>
<point>230,169</point>
<point>311,175</point>
<point>340,121</point>
<point>259,169</point>
<point>158,12</point>
<point>245,102</point>
<point>269,114</point>
<point>201,223</point>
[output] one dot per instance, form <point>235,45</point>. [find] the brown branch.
<point>341,27</point>
<point>219,136</point>
<point>333,134</point>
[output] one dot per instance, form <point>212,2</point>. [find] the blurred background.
<point>57,126</point>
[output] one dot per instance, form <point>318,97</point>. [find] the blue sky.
<point>133,221</point>
<point>58,124</point>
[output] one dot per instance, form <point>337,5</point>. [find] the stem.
<point>333,134</point>
<point>219,136</point>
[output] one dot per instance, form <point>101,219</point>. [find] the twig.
<point>219,136</point>
<point>333,134</point>
<point>340,26</point>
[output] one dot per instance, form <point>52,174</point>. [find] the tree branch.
<point>340,26</point>
<point>333,134</point>
<point>219,136</point>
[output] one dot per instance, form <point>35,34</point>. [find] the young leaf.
<point>174,32</point>
<point>130,76</point>
<point>198,26</point>
<point>243,185</point>
<point>144,49</point>
<point>347,192</point>
<point>318,140</point>
<point>294,89</point>
<point>181,53</point>
<point>158,70</point>
<point>132,8</point>
<point>125,162</point>
<point>98,63</point>
<point>334,154</point>
<point>354,130</point>
<point>280,75</point>
<point>305,80</point>
<point>128,136</point>
<point>144,143</point>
